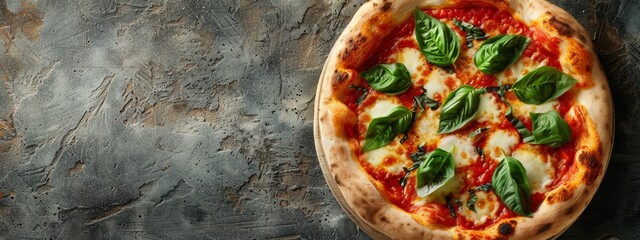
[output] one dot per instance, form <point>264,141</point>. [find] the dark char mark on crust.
<point>593,167</point>
<point>563,28</point>
<point>545,227</point>
<point>386,6</point>
<point>353,45</point>
<point>506,228</point>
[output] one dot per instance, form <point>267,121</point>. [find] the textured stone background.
<point>145,119</point>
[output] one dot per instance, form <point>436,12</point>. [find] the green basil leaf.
<point>541,85</point>
<point>510,184</point>
<point>421,100</point>
<point>390,79</point>
<point>471,204</point>
<point>519,125</point>
<point>434,172</point>
<point>364,92</point>
<point>437,42</point>
<point>484,187</point>
<point>459,108</point>
<point>477,132</point>
<point>383,130</point>
<point>499,52</point>
<point>471,31</point>
<point>549,129</point>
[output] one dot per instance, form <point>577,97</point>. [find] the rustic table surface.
<point>192,119</point>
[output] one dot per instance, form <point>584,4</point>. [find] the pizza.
<point>463,119</point>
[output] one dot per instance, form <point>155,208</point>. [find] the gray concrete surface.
<point>192,119</point>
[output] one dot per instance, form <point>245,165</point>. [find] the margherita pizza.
<point>463,119</point>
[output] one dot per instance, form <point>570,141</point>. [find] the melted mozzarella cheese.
<point>522,110</point>
<point>517,70</point>
<point>501,140</point>
<point>540,172</point>
<point>489,109</point>
<point>426,127</point>
<point>453,186</point>
<point>382,107</point>
<point>414,61</point>
<point>378,156</point>
<point>487,206</point>
<point>435,82</point>
<point>464,153</point>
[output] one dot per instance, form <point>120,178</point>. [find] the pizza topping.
<point>437,42</point>
<point>459,108</point>
<point>484,187</point>
<point>519,125</point>
<point>421,100</point>
<point>478,132</point>
<point>541,85</point>
<point>471,31</point>
<point>538,165</point>
<point>501,141</point>
<point>549,129</point>
<point>471,204</point>
<point>363,95</point>
<point>499,52</point>
<point>434,171</point>
<point>383,130</point>
<point>390,79</point>
<point>511,185</point>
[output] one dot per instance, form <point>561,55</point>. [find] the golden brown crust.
<point>370,210</point>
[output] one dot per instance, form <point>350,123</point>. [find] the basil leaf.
<point>499,52</point>
<point>510,184</point>
<point>541,85</point>
<point>364,92</point>
<point>452,209</point>
<point>549,129</point>
<point>383,130</point>
<point>484,187</point>
<point>437,42</point>
<point>471,204</point>
<point>519,125</point>
<point>459,108</point>
<point>471,31</point>
<point>434,172</point>
<point>418,154</point>
<point>421,100</point>
<point>477,132</point>
<point>390,79</point>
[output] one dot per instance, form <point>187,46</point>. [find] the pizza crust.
<point>360,198</point>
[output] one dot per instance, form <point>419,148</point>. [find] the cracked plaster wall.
<point>193,119</point>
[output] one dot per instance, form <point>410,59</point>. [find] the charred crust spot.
<point>582,38</point>
<point>339,76</point>
<point>505,229</point>
<point>570,210</point>
<point>384,219</point>
<point>592,167</point>
<point>560,196</point>
<point>334,165</point>
<point>353,45</point>
<point>386,6</point>
<point>562,27</point>
<point>545,227</point>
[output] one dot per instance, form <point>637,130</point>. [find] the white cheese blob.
<point>490,109</point>
<point>464,153</point>
<point>501,140</point>
<point>540,172</point>
<point>486,206</point>
<point>414,61</point>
